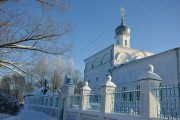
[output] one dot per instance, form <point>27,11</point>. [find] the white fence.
<point>149,101</point>
<point>48,104</point>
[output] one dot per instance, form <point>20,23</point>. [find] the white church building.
<point>126,64</point>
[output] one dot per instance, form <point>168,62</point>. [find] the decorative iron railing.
<point>126,102</point>
<point>75,101</point>
<point>93,102</point>
<point>168,101</point>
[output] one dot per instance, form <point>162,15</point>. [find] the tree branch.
<point>33,38</point>
<point>35,49</point>
<point>11,68</point>
<point>4,63</point>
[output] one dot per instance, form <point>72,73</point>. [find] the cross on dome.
<point>122,12</point>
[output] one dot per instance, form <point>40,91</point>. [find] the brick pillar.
<point>107,88</point>
<point>149,104</point>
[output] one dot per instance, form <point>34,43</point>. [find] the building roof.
<point>40,91</point>
<point>115,45</point>
<point>142,59</point>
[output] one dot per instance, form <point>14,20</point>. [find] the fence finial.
<point>86,84</point>
<point>150,68</point>
<point>86,87</point>
<point>149,74</point>
<point>108,78</point>
<point>108,82</point>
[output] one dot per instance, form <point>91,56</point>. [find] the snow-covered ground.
<point>27,115</point>
<point>8,117</point>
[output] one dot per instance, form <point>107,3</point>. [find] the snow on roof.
<point>40,91</point>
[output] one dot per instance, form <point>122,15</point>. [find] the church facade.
<point>126,64</point>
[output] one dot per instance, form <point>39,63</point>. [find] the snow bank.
<point>8,117</point>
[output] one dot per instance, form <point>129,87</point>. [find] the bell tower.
<point>122,32</point>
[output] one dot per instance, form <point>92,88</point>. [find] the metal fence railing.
<point>168,100</point>
<point>126,102</point>
<point>75,101</point>
<point>93,102</point>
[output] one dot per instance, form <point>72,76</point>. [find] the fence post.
<point>148,102</point>
<point>107,88</point>
<point>65,99</point>
<point>84,98</point>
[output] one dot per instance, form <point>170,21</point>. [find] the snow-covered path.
<point>31,115</point>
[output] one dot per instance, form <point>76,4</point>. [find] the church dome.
<point>122,29</point>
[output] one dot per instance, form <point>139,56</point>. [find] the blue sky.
<point>155,25</point>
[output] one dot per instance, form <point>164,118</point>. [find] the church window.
<point>96,78</point>
<point>124,95</point>
<point>42,101</point>
<point>125,42</point>
<point>138,93</point>
<point>161,92</point>
<point>51,101</point>
<point>46,103</point>
<point>57,102</point>
<point>88,81</point>
<point>131,96</point>
<point>138,87</point>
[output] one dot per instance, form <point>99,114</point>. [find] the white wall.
<point>165,65</point>
<point>101,62</point>
<point>98,65</point>
<point>91,115</point>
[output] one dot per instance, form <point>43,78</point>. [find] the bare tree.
<point>5,84</point>
<point>29,87</point>
<point>77,76</point>
<point>14,85</point>
<point>70,65</point>
<point>41,70</point>
<point>78,87</point>
<point>19,86</point>
<point>57,76</point>
<point>54,71</point>
<point>24,35</point>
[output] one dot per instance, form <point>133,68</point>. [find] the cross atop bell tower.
<point>122,15</point>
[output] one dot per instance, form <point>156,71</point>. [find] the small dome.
<point>122,29</point>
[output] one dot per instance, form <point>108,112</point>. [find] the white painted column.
<point>107,88</point>
<point>65,98</point>
<point>84,96</point>
<point>149,105</point>
<point>69,91</point>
